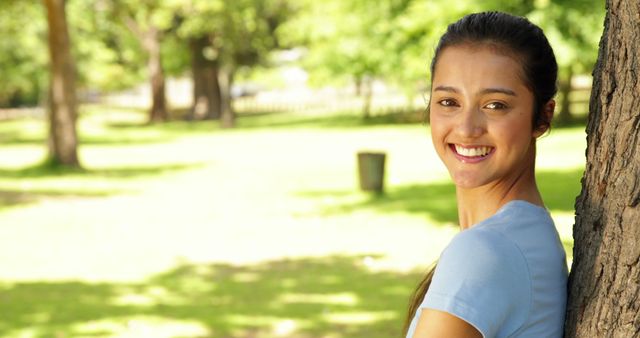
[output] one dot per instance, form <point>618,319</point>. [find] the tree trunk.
<point>225,77</point>
<point>366,100</point>
<point>565,90</point>
<point>158,112</point>
<point>62,92</point>
<point>199,104</point>
<point>214,97</point>
<point>358,83</point>
<point>206,89</point>
<point>604,285</point>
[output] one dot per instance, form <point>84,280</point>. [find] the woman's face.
<point>481,116</point>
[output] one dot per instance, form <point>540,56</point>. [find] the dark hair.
<point>514,36</point>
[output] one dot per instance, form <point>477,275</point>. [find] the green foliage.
<point>108,57</point>
<point>242,31</point>
<point>345,40</point>
<point>574,28</point>
<point>23,53</point>
<point>394,40</point>
<point>356,39</point>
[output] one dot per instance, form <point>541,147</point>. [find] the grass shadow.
<point>47,171</point>
<point>14,137</point>
<point>10,198</point>
<point>335,296</point>
<point>435,200</point>
<point>43,182</point>
<point>438,200</point>
<point>111,136</point>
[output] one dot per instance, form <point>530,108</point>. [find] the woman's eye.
<point>496,105</point>
<point>447,103</point>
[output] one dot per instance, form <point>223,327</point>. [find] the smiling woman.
<point>504,275</point>
<point>481,113</point>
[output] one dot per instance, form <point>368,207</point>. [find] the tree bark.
<point>62,112</point>
<point>158,112</point>
<point>206,89</point>
<point>604,285</point>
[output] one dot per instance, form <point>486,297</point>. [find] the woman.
<point>504,274</point>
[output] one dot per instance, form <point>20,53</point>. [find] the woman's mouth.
<point>471,154</point>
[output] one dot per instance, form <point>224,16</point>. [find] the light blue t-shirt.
<point>506,276</point>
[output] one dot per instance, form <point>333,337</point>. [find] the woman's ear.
<point>545,121</point>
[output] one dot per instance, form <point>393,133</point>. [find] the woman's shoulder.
<point>484,248</point>
<point>519,212</point>
<point>482,278</point>
<point>528,228</point>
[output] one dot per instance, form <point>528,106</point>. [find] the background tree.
<point>224,36</point>
<point>392,40</point>
<point>200,24</point>
<point>573,28</point>
<point>149,21</point>
<point>347,41</point>
<point>62,92</point>
<point>603,285</point>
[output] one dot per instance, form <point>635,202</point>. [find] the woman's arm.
<point>439,324</point>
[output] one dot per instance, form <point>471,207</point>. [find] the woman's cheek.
<point>438,135</point>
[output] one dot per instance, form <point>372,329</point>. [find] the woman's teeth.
<point>477,151</point>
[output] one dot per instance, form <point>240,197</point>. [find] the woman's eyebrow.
<point>446,89</point>
<point>498,90</point>
<point>491,90</point>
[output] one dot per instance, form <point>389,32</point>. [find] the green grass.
<point>186,230</point>
<point>335,295</point>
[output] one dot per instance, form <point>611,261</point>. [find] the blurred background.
<point>215,191</point>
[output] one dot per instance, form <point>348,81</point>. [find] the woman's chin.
<point>465,182</point>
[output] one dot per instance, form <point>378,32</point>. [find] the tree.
<point>206,86</point>
<point>573,28</point>
<point>391,40</point>
<point>225,35</point>
<point>201,22</point>
<point>347,40</point>
<point>62,91</point>
<point>604,287</point>
<point>148,21</point>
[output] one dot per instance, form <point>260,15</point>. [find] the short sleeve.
<point>482,278</point>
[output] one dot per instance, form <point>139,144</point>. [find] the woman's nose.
<point>471,124</point>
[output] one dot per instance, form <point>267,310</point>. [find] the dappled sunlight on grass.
<point>358,318</point>
<point>339,298</point>
<point>361,303</point>
<point>138,326</point>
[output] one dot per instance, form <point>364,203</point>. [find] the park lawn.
<point>187,230</point>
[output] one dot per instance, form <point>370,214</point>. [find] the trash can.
<point>371,171</point>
